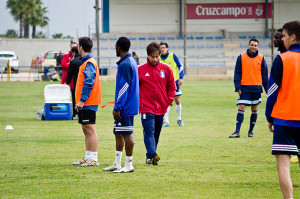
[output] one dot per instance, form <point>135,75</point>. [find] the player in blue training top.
<point>172,60</point>
<point>126,105</point>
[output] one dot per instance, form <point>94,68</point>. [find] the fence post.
<point>2,68</point>
<point>8,71</point>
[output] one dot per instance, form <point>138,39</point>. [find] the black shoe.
<point>250,134</point>
<point>235,135</point>
<point>153,160</point>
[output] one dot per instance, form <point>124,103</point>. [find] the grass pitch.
<point>197,160</point>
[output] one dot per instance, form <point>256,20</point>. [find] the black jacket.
<point>73,70</point>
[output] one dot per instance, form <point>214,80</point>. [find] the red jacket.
<point>157,88</point>
<point>65,66</point>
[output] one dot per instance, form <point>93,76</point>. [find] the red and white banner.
<point>227,11</point>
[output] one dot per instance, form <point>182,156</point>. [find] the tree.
<point>18,8</point>
<point>39,19</point>
<point>57,36</point>
<point>36,18</point>
<point>40,35</point>
<point>67,37</point>
<point>11,33</point>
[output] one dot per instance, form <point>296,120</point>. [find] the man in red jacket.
<point>65,66</point>
<point>157,92</point>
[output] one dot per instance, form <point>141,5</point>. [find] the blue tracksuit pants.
<point>152,125</point>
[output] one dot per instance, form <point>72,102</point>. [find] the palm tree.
<point>34,6</point>
<point>18,8</point>
<point>37,18</point>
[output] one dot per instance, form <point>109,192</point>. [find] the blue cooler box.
<point>57,102</point>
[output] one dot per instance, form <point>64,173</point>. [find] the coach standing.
<point>72,74</point>
<point>251,73</point>
<point>283,107</point>
<point>157,92</point>
<point>65,62</point>
<point>88,97</point>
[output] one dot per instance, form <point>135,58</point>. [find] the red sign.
<point>227,11</point>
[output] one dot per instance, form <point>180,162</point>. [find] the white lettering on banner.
<point>236,11</point>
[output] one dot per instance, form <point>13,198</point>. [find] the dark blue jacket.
<point>274,86</point>
<point>238,76</point>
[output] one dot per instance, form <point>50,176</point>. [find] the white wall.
<point>26,49</point>
<point>143,16</point>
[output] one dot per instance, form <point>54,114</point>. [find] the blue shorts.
<point>249,99</point>
<point>286,140</point>
<point>178,91</point>
<point>125,126</point>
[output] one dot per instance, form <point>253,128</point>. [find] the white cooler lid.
<point>57,92</point>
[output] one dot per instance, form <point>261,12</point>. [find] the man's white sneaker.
<point>112,168</point>
<point>79,162</point>
<point>90,163</point>
<point>124,170</point>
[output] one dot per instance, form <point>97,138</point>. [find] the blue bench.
<point>170,38</point>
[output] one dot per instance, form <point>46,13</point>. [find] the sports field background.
<point>197,160</point>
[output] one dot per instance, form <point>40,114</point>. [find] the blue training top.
<point>127,87</point>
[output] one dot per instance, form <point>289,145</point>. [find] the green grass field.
<point>197,160</point>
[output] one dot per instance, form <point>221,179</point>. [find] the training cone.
<point>9,127</point>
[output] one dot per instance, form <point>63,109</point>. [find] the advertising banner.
<point>227,11</point>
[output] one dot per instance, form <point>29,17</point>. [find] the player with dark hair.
<point>157,92</point>
<point>126,106</point>
<point>251,73</point>
<point>65,62</point>
<point>172,60</point>
<point>283,107</point>
<point>278,43</point>
<point>88,97</point>
<point>72,74</point>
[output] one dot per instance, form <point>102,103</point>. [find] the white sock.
<point>118,158</point>
<point>166,117</point>
<point>91,155</point>
<point>178,110</point>
<point>128,163</point>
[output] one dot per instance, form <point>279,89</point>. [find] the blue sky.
<point>70,17</point>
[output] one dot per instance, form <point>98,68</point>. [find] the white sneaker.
<point>79,162</point>
<point>90,162</point>
<point>124,170</point>
<point>112,168</point>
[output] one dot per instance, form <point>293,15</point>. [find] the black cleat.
<point>235,135</point>
<point>153,160</point>
<point>250,135</point>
